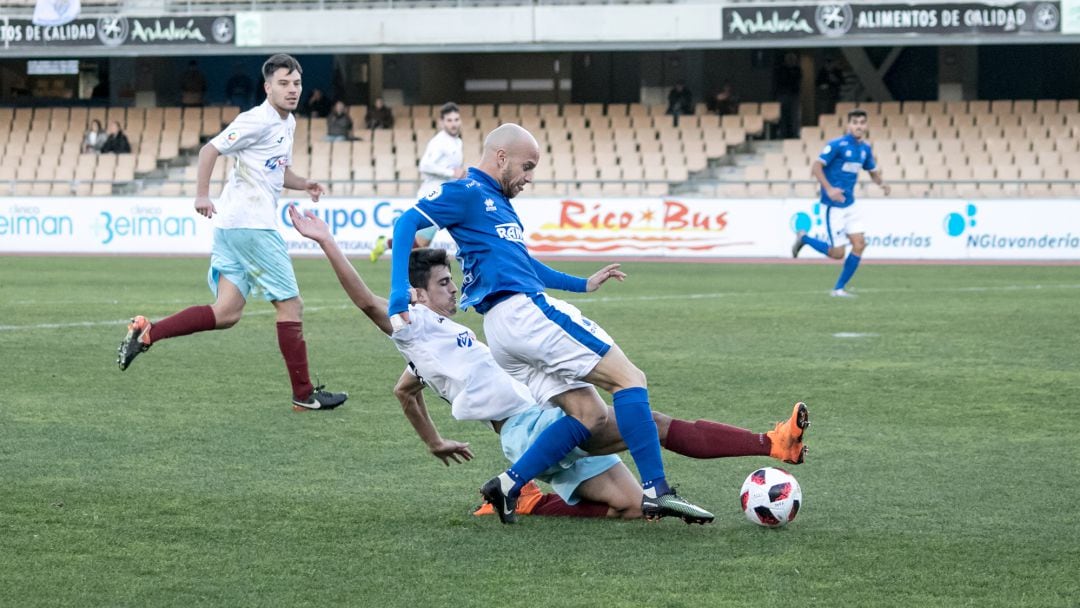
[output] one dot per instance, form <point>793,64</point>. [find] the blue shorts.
<point>520,431</point>
<point>256,261</point>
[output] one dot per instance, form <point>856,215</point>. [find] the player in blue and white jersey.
<point>249,257</point>
<point>446,357</point>
<point>543,342</point>
<point>837,170</point>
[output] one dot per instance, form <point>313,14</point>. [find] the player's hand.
<point>204,206</point>
<point>611,271</point>
<point>399,320</point>
<point>886,189</point>
<point>448,449</point>
<point>309,224</point>
<point>835,194</point>
<point>314,190</point>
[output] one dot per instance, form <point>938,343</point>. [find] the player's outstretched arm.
<point>409,392</point>
<point>553,279</point>
<point>404,232</point>
<point>208,156</point>
<point>309,225</point>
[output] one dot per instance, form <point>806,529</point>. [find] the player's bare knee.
<point>858,249</point>
<point>227,318</point>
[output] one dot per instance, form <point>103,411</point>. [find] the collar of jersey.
<point>484,178</point>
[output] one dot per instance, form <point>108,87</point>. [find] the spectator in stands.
<point>317,106</point>
<point>379,116</point>
<point>339,124</point>
<point>787,81</point>
<point>680,101</point>
<point>94,138</point>
<point>116,142</point>
<point>725,101</point>
<point>829,80</point>
<point>238,88</point>
<point>193,86</point>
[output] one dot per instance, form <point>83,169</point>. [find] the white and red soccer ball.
<point>770,497</point>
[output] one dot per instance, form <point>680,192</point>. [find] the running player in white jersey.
<point>448,358</point>
<point>443,160</point>
<point>249,256</point>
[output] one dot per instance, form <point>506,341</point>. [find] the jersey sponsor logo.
<point>275,163</point>
<point>851,167</point>
<point>489,206</point>
<point>464,340</point>
<point>510,232</point>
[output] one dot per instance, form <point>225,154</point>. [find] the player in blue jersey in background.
<point>837,170</point>
<point>543,342</point>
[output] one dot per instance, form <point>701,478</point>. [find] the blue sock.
<point>549,448</point>
<point>817,245</point>
<point>634,419</point>
<point>850,264</point>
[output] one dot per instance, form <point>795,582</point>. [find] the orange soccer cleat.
<point>787,436</point>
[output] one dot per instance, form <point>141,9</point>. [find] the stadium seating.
<point>974,149</point>
<point>971,149</point>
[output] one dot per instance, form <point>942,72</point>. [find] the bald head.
<point>511,154</point>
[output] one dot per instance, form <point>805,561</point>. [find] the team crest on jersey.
<point>489,206</point>
<point>277,162</point>
<point>464,339</point>
<point>510,232</point>
<point>847,153</point>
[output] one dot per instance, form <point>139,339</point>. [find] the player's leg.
<point>266,258</point>
<point>851,264</point>
<point>228,282</point>
<point>706,439</point>
<point>617,488</point>
<point>534,442</point>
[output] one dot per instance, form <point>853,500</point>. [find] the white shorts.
<point>544,343</point>
<point>519,432</point>
<point>841,223</point>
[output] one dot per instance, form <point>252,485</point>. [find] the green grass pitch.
<point>942,467</point>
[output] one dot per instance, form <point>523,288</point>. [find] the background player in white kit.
<point>448,358</point>
<point>249,256</point>
<point>443,160</point>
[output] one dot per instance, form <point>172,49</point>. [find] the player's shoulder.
<point>461,190</point>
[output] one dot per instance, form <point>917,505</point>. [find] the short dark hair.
<point>421,261</point>
<point>448,108</point>
<point>281,60</point>
<point>856,113</point>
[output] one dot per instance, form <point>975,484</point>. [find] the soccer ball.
<point>770,497</point>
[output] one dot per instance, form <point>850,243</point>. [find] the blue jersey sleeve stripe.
<point>563,320</point>
<point>429,218</point>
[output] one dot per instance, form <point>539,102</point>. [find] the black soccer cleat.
<point>798,245</point>
<point>133,344</point>
<point>500,499</point>
<point>319,400</point>
<point>671,504</point>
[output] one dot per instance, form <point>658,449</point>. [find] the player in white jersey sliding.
<point>443,160</point>
<point>448,358</point>
<point>249,256</point>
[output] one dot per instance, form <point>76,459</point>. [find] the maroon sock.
<point>551,505</point>
<point>707,439</point>
<point>187,321</point>
<point>290,337</point>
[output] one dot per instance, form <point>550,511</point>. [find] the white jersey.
<point>261,142</point>
<point>447,357</point>
<point>444,155</point>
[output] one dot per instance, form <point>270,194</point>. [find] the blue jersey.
<point>844,157</point>
<point>495,263</point>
